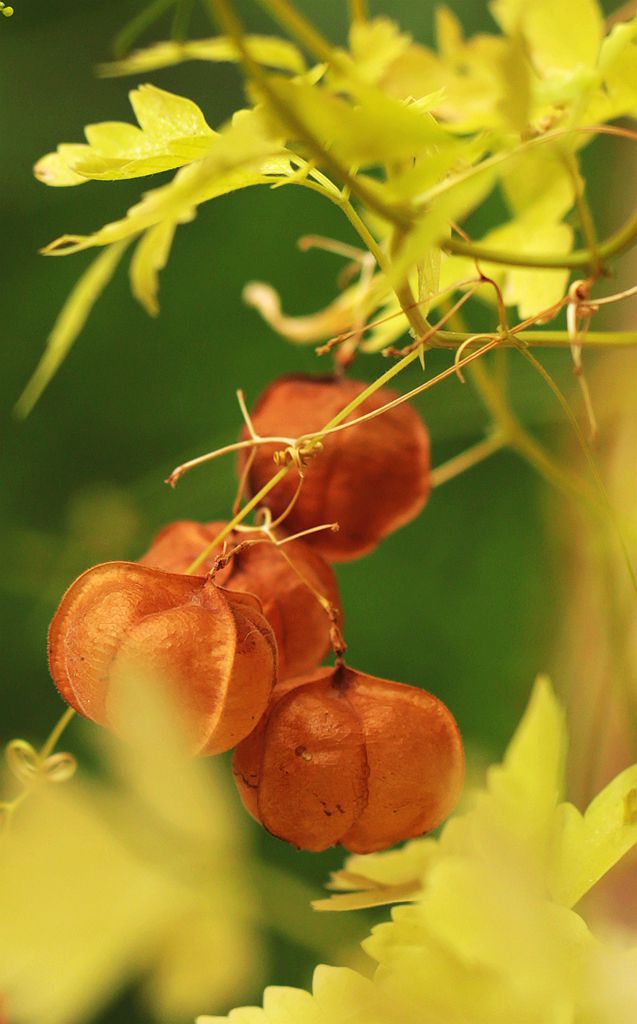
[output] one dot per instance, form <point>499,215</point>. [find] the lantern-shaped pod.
<point>371,478</point>
<point>343,757</point>
<point>213,648</point>
<point>282,579</point>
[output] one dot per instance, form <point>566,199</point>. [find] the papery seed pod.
<point>301,625</point>
<point>343,757</point>
<point>213,648</point>
<point>370,479</point>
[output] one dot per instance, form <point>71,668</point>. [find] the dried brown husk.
<point>371,478</point>
<point>300,623</point>
<point>344,757</point>
<point>212,647</point>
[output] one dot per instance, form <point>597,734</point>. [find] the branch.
<point>581,259</point>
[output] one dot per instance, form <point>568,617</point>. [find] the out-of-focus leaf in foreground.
<point>145,876</point>
<point>268,50</point>
<point>491,936</point>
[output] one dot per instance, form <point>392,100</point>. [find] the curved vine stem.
<point>54,736</point>
<point>473,456</point>
<point>546,339</point>
<point>609,512</point>
<point>581,259</point>
<point>9,807</point>
<point>521,441</point>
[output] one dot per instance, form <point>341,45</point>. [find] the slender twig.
<point>55,734</point>
<point>358,11</point>
<point>468,459</point>
<point>525,445</point>
<point>8,808</point>
<point>517,437</point>
<point>580,259</point>
<point>336,636</point>
<point>240,516</point>
<point>584,213</point>
<point>331,427</point>
<point>547,339</point>
<point>606,503</point>
<point>237,446</point>
<point>302,29</point>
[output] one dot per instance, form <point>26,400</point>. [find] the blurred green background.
<point>462,601</point>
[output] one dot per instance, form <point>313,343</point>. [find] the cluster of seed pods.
<point>323,755</point>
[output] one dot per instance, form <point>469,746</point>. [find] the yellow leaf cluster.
<point>172,131</point>
<point>490,935</point>
<point>145,877</point>
<point>407,140</point>
<point>266,50</point>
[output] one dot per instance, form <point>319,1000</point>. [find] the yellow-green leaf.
<point>172,132</point>
<point>537,183</point>
<point>528,785</point>
<point>242,154</point>
<point>560,33</point>
<point>378,879</point>
<point>618,68</point>
<point>530,290</point>
<point>587,846</point>
<point>372,130</point>
<point>473,73</point>
<point>165,115</point>
<point>450,201</point>
<point>52,170</point>
<point>150,256</point>
<point>353,305</point>
<point>375,45</point>
<point>145,875</point>
<point>70,322</point>
<point>267,50</point>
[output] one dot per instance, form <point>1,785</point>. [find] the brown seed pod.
<point>212,647</point>
<point>343,757</point>
<point>370,479</point>
<point>301,626</point>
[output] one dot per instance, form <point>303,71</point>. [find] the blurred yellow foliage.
<point>490,937</point>
<point>144,876</point>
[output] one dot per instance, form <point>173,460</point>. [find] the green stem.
<point>54,736</point>
<point>365,191</point>
<point>468,459</point>
<point>547,339</point>
<point>404,293</point>
<point>370,390</point>
<point>509,427</point>
<point>365,235</point>
<point>581,259</point>
<point>181,20</point>
<point>238,518</point>
<point>134,28</point>
<point>358,11</point>
<point>302,30</point>
<point>526,446</point>
<point>584,213</point>
<point>610,515</point>
<point>8,808</point>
